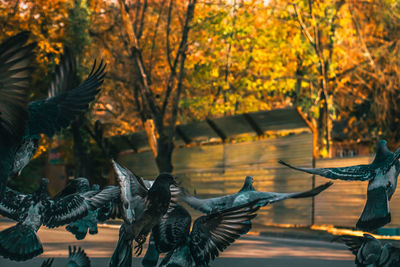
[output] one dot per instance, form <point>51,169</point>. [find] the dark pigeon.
<point>245,195</point>
<point>20,242</point>
<point>370,252</point>
<point>210,235</point>
<point>141,208</point>
<point>77,258</point>
<point>64,103</point>
<point>381,175</point>
<point>15,75</point>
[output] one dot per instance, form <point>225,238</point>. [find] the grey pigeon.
<point>245,195</point>
<point>77,258</point>
<point>81,227</point>
<point>15,74</point>
<point>20,242</point>
<point>142,209</point>
<point>381,175</point>
<point>370,252</point>
<point>210,235</point>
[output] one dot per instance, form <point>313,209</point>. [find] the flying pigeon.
<point>63,104</point>
<point>77,258</point>
<point>245,195</point>
<point>381,175</point>
<point>15,73</point>
<point>20,242</point>
<point>141,208</point>
<point>210,234</point>
<point>81,227</point>
<point>370,252</point>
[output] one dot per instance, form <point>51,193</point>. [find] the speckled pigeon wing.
<point>15,75</point>
<point>276,197</point>
<point>52,114</point>
<point>77,257</point>
<point>65,74</point>
<point>215,232</point>
<point>351,173</point>
<point>396,156</point>
<point>12,203</point>
<point>173,230</point>
<point>76,206</point>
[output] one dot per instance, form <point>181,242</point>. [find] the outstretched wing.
<point>65,74</point>
<point>11,203</point>
<point>131,184</point>
<point>50,115</point>
<point>215,232</point>
<point>351,173</point>
<point>15,75</point>
<point>78,257</point>
<point>76,206</point>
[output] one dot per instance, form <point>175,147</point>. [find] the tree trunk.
<point>82,161</point>
<point>164,153</point>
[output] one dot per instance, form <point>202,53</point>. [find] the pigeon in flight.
<point>245,195</point>
<point>20,242</point>
<point>141,208</point>
<point>370,252</point>
<point>210,235</point>
<point>15,74</point>
<point>81,227</point>
<point>77,258</point>
<point>381,175</point>
<point>64,103</point>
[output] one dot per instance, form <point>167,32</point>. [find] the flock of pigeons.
<point>146,207</point>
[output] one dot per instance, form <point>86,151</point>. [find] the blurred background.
<point>216,90</point>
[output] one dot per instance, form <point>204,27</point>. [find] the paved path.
<point>250,250</point>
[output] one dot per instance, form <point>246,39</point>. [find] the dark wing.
<point>215,232</point>
<point>131,184</point>
<point>173,230</point>
<point>52,114</point>
<point>76,206</point>
<point>15,75</point>
<point>353,243</point>
<point>78,257</point>
<point>65,74</point>
<point>351,173</point>
<point>73,186</point>
<point>47,263</point>
<point>11,203</point>
<point>110,210</point>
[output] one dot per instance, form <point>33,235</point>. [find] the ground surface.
<point>251,250</point>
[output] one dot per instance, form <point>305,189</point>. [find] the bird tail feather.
<point>20,243</point>
<point>152,254</point>
<point>376,212</point>
<point>122,256</point>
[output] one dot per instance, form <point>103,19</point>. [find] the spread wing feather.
<point>15,75</point>
<point>215,232</point>
<point>351,173</point>
<point>50,115</point>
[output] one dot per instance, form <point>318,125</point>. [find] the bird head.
<point>382,151</point>
<point>43,190</point>
<point>166,178</point>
